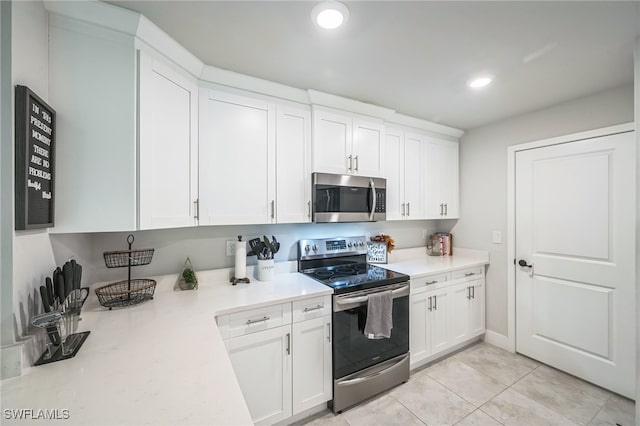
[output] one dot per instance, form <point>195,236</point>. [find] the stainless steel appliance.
<point>362,367</point>
<point>347,198</point>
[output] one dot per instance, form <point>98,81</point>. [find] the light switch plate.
<point>497,237</point>
<point>231,248</point>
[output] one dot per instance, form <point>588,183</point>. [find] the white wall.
<point>32,254</point>
<point>483,177</point>
<point>637,116</point>
<point>206,246</point>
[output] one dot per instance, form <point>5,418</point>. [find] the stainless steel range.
<point>362,367</point>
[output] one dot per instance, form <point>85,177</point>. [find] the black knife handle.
<point>67,270</point>
<point>60,288</point>
<point>50,292</point>
<point>44,295</point>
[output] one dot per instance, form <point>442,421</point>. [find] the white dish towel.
<point>379,315</point>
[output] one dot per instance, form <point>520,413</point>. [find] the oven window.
<point>352,351</point>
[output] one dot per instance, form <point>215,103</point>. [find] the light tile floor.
<point>485,385</point>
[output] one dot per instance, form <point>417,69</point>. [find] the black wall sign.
<point>35,143</point>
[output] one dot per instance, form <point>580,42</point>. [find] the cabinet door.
<point>439,319</point>
<point>332,140</point>
<point>311,363</point>
<point>477,308</point>
<point>441,179</point>
<point>413,176</point>
<point>168,145</point>
<point>262,364</point>
<point>293,160</point>
<point>449,172</point>
<point>237,160</point>
<point>420,327</point>
<point>393,167</point>
<point>460,310</point>
<point>368,147</point>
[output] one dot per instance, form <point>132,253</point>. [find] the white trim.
<point>440,355</point>
<point>418,123</point>
<point>97,13</point>
<point>511,219</point>
<point>497,339</point>
<point>338,102</point>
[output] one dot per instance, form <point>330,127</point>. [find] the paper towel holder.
<point>245,279</point>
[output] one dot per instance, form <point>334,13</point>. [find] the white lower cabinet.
<point>262,363</point>
<point>446,313</point>
<point>281,355</point>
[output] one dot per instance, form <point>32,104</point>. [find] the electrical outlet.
<point>231,247</point>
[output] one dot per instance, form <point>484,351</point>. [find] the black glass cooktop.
<point>354,276</point>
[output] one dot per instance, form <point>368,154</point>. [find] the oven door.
<point>352,350</point>
<point>345,198</point>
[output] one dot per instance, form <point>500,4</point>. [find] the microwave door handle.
<point>373,202</point>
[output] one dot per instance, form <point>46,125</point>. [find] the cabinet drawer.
<point>253,320</point>
<point>419,285</point>
<point>468,273</point>
<point>311,308</point>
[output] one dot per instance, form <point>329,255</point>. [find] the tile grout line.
<point>409,410</point>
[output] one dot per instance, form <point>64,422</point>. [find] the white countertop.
<point>164,361</point>
<point>415,262</point>
<point>160,362</point>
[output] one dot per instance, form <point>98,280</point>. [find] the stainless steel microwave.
<point>347,198</point>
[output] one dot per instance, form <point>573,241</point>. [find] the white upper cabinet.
<point>403,170</point>
<point>347,144</point>
<point>441,179</point>
<point>293,163</point>
<point>168,157</point>
<point>237,148</point>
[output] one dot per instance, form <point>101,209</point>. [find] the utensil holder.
<point>266,270</point>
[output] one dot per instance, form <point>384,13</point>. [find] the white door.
<point>460,312</point>
<point>332,141</point>
<point>439,322</point>
<point>293,164</point>
<point>449,175</point>
<point>262,364</point>
<point>368,143</point>
<point>311,363</point>
<point>575,212</point>
<point>420,327</point>
<point>168,159</point>
<point>237,160</point>
<point>476,308</point>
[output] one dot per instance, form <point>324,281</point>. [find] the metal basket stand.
<point>131,291</point>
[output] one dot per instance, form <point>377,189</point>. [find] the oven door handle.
<point>371,376</point>
<point>398,292</point>
<point>374,196</point>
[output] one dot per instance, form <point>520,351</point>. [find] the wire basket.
<point>121,258</point>
<point>125,293</point>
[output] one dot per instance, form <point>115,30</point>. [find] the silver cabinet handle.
<point>430,303</point>
<point>435,303</point>
<point>431,282</point>
<point>249,322</point>
<point>350,159</point>
<point>273,209</point>
<point>288,343</point>
<point>441,209</point>
<point>473,292</point>
<point>329,331</point>
<point>196,209</point>
<point>446,209</point>
<point>408,209</point>
<point>315,308</point>
<point>309,209</point>
<point>468,292</point>
<point>357,162</point>
<point>468,274</point>
<point>402,209</point>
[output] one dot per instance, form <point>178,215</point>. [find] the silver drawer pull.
<point>263,319</point>
<point>431,282</point>
<point>468,274</point>
<point>313,309</point>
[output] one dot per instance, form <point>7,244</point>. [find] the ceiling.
<point>416,57</point>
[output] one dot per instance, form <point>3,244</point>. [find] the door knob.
<point>523,263</point>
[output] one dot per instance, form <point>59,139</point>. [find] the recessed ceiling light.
<point>480,82</point>
<point>330,14</point>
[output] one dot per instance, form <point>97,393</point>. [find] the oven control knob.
<point>307,248</point>
<point>315,247</point>
<point>350,244</point>
<point>361,243</point>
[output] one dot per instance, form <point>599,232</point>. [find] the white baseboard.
<point>499,340</point>
<point>305,414</point>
